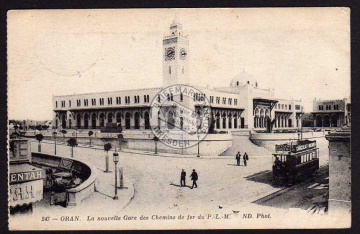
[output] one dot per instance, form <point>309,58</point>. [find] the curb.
<point>162,154</point>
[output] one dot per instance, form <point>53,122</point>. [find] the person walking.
<point>245,158</point>
<point>182,178</point>
<point>194,178</point>
<point>238,157</point>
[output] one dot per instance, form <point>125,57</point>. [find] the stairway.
<point>243,144</point>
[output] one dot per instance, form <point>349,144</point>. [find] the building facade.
<point>331,113</point>
<point>241,105</point>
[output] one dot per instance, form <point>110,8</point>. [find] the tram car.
<point>295,162</point>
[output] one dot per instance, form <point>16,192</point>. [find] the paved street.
<point>153,187</point>
<point>311,195</point>
<point>156,180</point>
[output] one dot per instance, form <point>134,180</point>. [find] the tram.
<point>295,162</point>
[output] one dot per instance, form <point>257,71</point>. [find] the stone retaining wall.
<point>87,173</point>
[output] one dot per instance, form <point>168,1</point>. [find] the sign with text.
<point>27,176</point>
<point>305,146</point>
<point>25,193</point>
<point>19,150</point>
<point>284,147</point>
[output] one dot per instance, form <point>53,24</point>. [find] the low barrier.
<point>87,173</point>
<point>210,145</point>
<point>269,140</point>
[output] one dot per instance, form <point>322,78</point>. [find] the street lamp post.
<point>55,133</point>
<point>76,133</point>
<point>198,136</point>
<point>116,160</point>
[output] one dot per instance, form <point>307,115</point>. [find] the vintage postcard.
<point>131,119</point>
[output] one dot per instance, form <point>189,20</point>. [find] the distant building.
<point>331,113</point>
<point>307,120</point>
<point>241,105</point>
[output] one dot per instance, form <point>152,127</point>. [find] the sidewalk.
<point>162,154</point>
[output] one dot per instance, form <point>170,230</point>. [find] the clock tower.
<point>175,56</point>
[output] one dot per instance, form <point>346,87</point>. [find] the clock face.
<point>183,53</point>
<point>169,53</point>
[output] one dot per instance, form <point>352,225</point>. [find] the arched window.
<point>217,120</point>
<point>235,121</point>
<point>127,120</point>
<point>102,121</point>
<point>170,120</point>
<point>86,121</point>
<point>230,121</point>
<point>93,120</point>
<point>326,121</point>
<point>181,97</point>
<point>78,120</point>
<point>118,118</point>
<point>237,83</point>
<point>147,120</point>
<point>224,121</point>
<point>137,120</point>
<point>63,124</point>
<point>318,121</point>
<point>110,117</point>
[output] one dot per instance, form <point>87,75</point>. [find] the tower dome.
<point>242,79</point>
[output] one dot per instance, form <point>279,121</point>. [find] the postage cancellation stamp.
<point>140,119</point>
<point>170,111</point>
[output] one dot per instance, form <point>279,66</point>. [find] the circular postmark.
<point>180,116</point>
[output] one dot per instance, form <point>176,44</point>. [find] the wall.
<point>87,173</point>
<point>340,172</point>
<point>269,140</point>
<point>211,145</point>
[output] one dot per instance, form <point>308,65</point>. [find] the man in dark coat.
<point>182,178</point>
<point>245,158</point>
<point>238,157</point>
<point>194,178</point>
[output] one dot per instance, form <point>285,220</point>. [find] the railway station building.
<point>241,105</point>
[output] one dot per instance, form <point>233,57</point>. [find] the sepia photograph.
<point>164,119</point>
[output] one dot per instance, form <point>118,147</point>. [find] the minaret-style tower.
<point>175,56</point>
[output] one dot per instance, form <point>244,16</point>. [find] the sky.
<point>302,53</point>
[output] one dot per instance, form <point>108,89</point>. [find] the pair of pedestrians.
<point>194,178</point>
<point>238,158</point>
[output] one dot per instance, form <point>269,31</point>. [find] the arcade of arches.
<point>327,120</point>
<point>262,119</point>
<point>127,119</point>
<point>140,119</point>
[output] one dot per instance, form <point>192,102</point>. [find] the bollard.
<point>107,163</point>
<point>121,177</point>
